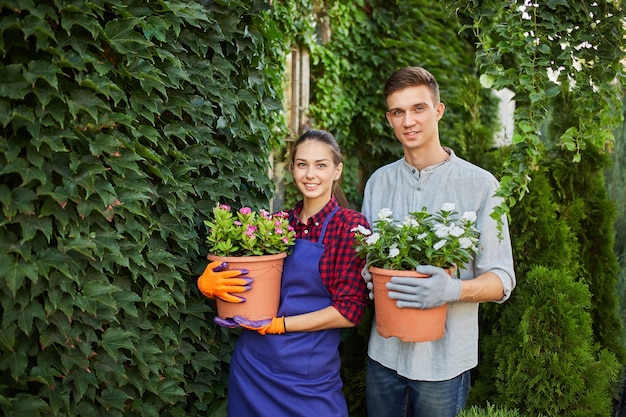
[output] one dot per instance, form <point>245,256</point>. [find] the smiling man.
<point>432,379</point>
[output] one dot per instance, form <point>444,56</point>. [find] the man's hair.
<point>411,77</point>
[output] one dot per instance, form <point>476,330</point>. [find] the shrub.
<point>548,362</point>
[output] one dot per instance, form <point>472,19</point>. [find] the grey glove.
<point>367,277</point>
<point>422,293</point>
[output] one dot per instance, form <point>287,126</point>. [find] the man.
<point>432,379</point>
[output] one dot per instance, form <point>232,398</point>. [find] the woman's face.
<point>314,170</point>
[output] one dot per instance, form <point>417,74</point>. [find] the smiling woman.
<point>321,292</point>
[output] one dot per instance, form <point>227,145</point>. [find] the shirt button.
<point>317,223</point>
<point>419,188</point>
<point>306,232</point>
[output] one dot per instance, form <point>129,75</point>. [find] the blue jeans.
<point>391,395</point>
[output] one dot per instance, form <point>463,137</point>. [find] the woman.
<point>289,365</point>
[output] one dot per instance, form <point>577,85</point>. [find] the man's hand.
<point>367,277</point>
<point>423,293</point>
<point>216,281</point>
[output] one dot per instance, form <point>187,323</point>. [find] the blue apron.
<point>292,374</point>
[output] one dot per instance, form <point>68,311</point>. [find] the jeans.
<point>391,395</point>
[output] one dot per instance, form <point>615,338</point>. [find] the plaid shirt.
<point>339,266</point>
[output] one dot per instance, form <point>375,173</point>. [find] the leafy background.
<point>124,122</point>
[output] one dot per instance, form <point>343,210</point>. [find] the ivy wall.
<point>122,123</point>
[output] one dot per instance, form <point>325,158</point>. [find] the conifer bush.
<point>548,362</point>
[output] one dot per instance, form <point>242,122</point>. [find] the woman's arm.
<point>326,318</point>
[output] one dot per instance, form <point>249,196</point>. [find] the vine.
<point>537,50</point>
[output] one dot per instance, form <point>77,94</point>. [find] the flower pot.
<point>263,298</point>
<point>407,324</point>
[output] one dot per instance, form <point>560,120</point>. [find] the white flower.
<point>465,243</point>
<point>439,244</point>
<point>385,214</point>
<point>448,207</point>
<point>442,231</point>
<point>371,240</point>
<point>469,216</point>
<point>362,230</point>
<point>456,231</point>
<point>394,251</point>
<point>410,221</point>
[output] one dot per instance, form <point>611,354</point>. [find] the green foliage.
<point>616,187</point>
<point>122,123</point>
<point>548,360</point>
<point>490,411</point>
<point>521,45</point>
<point>370,41</point>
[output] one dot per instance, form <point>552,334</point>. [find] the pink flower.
<point>285,240</point>
<point>245,210</point>
<point>225,207</point>
<point>265,214</point>
<point>278,231</point>
<point>250,231</point>
<point>237,223</point>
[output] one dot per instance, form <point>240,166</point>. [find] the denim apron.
<point>296,373</point>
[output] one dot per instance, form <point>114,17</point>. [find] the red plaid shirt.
<point>339,266</point>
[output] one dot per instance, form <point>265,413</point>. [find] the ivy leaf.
<point>16,272</point>
<point>26,171</point>
<point>12,82</point>
<point>44,71</point>
<point>115,339</point>
<point>124,39</point>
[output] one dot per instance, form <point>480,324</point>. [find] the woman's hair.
<point>411,77</point>
<point>328,139</point>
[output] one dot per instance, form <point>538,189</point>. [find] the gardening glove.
<point>367,277</point>
<point>215,281</point>
<point>275,325</point>
<point>422,293</point>
<point>230,323</point>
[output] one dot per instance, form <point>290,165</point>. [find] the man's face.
<point>414,116</point>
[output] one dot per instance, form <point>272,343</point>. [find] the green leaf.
<point>26,171</point>
<point>42,70</point>
<point>160,297</point>
<point>115,339</point>
<point>13,85</point>
<point>85,101</point>
<point>170,390</point>
<point>15,272</point>
<point>124,39</point>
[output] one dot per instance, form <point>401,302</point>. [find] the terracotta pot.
<point>263,299</point>
<point>407,324</point>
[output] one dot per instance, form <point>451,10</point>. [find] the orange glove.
<point>215,281</point>
<point>275,325</point>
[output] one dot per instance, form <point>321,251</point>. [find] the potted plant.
<point>257,242</point>
<point>396,248</point>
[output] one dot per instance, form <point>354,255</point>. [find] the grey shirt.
<point>402,188</point>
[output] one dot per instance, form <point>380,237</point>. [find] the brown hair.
<point>326,138</point>
<point>411,77</point>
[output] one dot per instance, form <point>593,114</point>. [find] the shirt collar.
<point>320,215</point>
